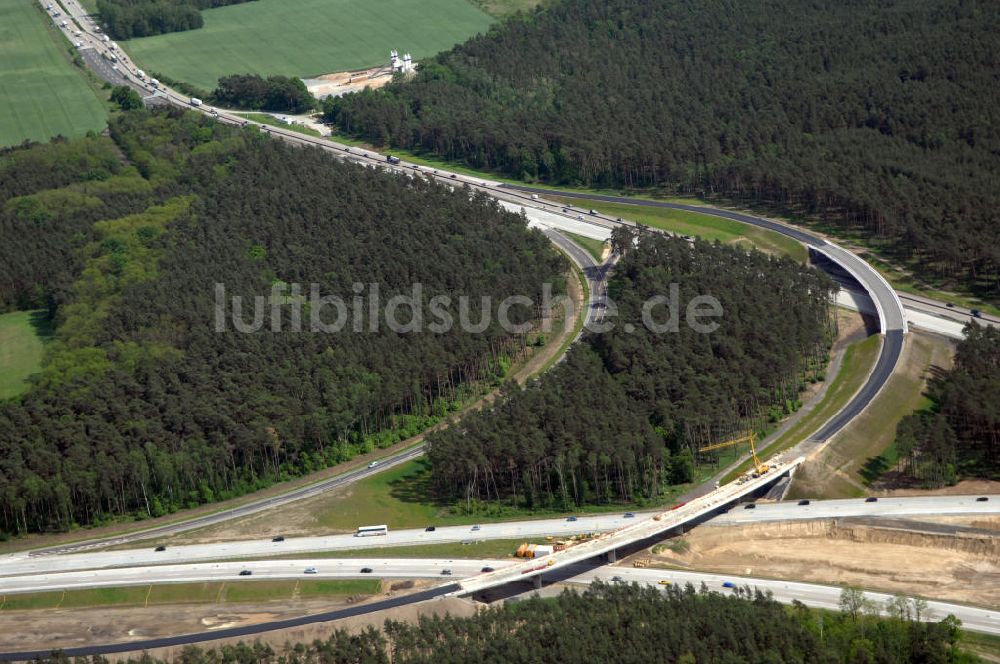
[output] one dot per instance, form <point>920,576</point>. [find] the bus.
<point>365,531</point>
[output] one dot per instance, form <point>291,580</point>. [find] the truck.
<point>392,160</point>
<point>141,74</point>
<point>195,101</point>
<point>155,83</point>
<point>106,38</point>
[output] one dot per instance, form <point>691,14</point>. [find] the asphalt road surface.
<point>21,564</point>
<point>854,507</point>
<point>271,570</point>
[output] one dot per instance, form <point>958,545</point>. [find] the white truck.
<point>195,101</point>
<point>141,74</point>
<point>155,83</point>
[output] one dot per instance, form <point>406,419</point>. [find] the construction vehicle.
<point>534,550</point>
<point>751,438</point>
<point>641,562</point>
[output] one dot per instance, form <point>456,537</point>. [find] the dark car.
<point>804,501</point>
<point>950,305</point>
<point>278,538</point>
<point>453,176</point>
<point>871,499</point>
<point>446,572</point>
<point>430,529</point>
<point>750,506</point>
<point>571,518</point>
<point>160,548</point>
<point>728,584</point>
<point>366,570</point>
<point>982,499</point>
<point>976,313</point>
<point>245,572</point>
<point>486,569</point>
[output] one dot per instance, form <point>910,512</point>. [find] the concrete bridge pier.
<point>612,556</point>
<point>537,581</point>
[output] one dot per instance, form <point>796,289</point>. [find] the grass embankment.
<point>23,335</point>
<point>191,593</point>
<point>594,247</point>
<point>267,119</point>
<point>41,92</point>
<point>306,38</point>
<point>699,225</point>
<point>865,448</point>
<point>859,360</point>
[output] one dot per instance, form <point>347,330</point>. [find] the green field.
<point>23,335</point>
<point>41,93</point>
<point>306,38</point>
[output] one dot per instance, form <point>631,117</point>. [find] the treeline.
<point>878,118</point>
<point>124,19</point>
<point>615,623</point>
<point>626,412</point>
<point>142,406</point>
<point>960,435</point>
<point>274,93</point>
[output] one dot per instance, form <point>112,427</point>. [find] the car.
<point>728,584</point>
<point>579,217</point>
<point>552,561</point>
<point>950,305</point>
<point>453,176</point>
<point>373,464</point>
<point>430,529</point>
<point>665,582</point>
<point>366,570</point>
<point>804,501</point>
<point>160,548</point>
<point>617,579</point>
<point>446,572</point>
<point>245,572</point>
<point>476,528</point>
<point>976,313</point>
<point>871,499</point>
<point>750,506</point>
<point>309,570</point>
<point>278,538</point>
<point>486,569</point>
<point>571,518</point>
<point>629,515</point>
<point>982,499</point>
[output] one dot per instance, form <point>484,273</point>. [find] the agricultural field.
<point>41,93</point>
<point>306,38</point>
<point>23,335</point>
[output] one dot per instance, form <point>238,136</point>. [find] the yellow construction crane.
<point>750,438</point>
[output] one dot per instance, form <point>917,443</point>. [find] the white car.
<point>373,464</point>
<point>310,570</point>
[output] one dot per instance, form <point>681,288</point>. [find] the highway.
<point>326,568</point>
<point>26,564</point>
<point>883,507</point>
<point>146,557</point>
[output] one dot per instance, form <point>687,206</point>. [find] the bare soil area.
<point>961,567</point>
<point>343,82</point>
<point>28,630</point>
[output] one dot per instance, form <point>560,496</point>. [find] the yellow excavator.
<point>750,438</point>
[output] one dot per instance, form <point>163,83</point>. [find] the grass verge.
<point>859,359</point>
<point>191,593</point>
<point>23,336</point>
<point>699,225</point>
<point>594,247</point>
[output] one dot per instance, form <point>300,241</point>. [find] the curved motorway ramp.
<point>892,319</point>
